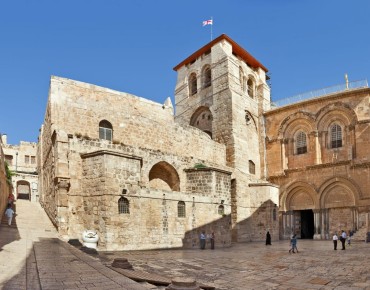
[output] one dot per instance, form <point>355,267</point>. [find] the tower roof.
<point>237,49</point>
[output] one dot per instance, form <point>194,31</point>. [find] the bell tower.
<point>222,90</point>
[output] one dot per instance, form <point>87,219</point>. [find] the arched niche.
<point>202,119</point>
<point>163,176</point>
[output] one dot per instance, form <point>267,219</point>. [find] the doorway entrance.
<point>307,224</point>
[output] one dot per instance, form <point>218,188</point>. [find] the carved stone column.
<point>317,222</point>
<point>317,148</point>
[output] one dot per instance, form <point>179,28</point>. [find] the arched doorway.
<point>23,190</point>
<point>299,217</point>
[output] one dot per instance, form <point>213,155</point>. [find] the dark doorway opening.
<point>307,224</point>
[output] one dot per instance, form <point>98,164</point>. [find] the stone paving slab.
<point>256,266</point>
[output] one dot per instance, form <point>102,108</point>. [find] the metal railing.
<point>320,93</point>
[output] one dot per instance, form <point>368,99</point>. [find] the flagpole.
<point>211,26</point>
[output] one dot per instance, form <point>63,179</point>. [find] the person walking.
<point>343,238</point>
<point>268,238</point>
<point>202,240</point>
<point>9,214</point>
<point>293,243</point>
<point>335,241</point>
<point>212,240</point>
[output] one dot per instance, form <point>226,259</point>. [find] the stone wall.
<point>104,176</point>
<point>22,161</point>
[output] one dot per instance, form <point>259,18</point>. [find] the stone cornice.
<point>208,169</point>
<point>108,152</point>
<point>319,166</point>
<point>263,184</point>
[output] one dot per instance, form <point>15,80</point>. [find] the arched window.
<point>336,136</point>
<point>252,167</point>
<point>207,77</point>
<point>181,209</point>
<point>301,143</point>
<point>123,205</point>
<point>221,210</point>
<point>193,84</point>
<point>105,130</point>
<point>242,79</point>
<point>250,84</point>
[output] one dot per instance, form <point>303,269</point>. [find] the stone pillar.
<point>317,148</point>
<point>62,186</point>
<point>316,217</point>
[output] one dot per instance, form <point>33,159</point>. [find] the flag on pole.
<point>208,22</point>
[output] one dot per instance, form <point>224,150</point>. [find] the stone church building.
<point>224,159</point>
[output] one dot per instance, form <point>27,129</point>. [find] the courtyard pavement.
<point>33,257</point>
<point>256,266</point>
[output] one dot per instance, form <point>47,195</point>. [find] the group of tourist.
<point>203,237</point>
<point>343,238</point>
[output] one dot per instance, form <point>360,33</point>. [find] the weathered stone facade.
<point>324,182</point>
<point>144,178</point>
<point>22,161</point>
<point>5,188</point>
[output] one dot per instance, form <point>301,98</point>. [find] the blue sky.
<point>132,46</point>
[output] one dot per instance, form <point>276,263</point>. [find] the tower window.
<point>207,77</point>
<point>193,84</point>
<point>105,130</point>
<point>336,136</point>
<point>301,143</point>
<point>181,209</point>
<point>250,84</point>
<point>123,206</point>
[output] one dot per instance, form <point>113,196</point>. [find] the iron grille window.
<point>221,210</point>
<point>123,205</point>
<point>181,209</point>
<point>105,130</point>
<point>336,136</point>
<point>301,143</point>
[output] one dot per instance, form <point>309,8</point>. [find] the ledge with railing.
<point>320,93</point>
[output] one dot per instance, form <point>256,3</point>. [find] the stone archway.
<point>338,200</point>
<point>163,176</point>
<point>23,190</point>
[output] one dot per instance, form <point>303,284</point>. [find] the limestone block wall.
<point>153,221</point>
<point>254,206</point>
<point>77,108</point>
<point>99,170</point>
